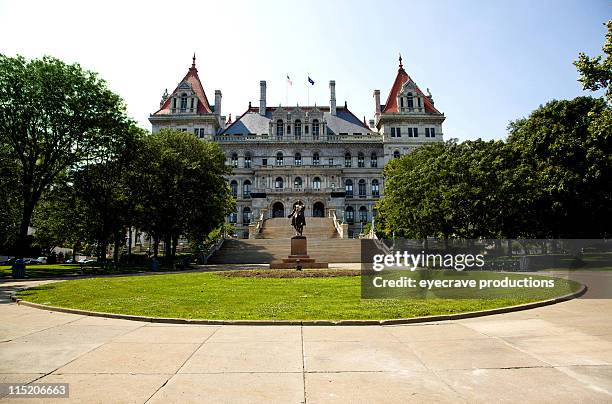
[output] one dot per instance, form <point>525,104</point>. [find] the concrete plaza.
<point>556,354</point>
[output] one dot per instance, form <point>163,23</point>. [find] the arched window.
<point>279,159</point>
<point>247,160</point>
<point>374,160</point>
<point>362,188</point>
<point>315,159</point>
<point>360,160</point>
<point>316,183</point>
<point>246,189</point>
<point>279,129</point>
<point>235,160</point>
<point>348,187</point>
<point>297,159</point>
<point>246,215</point>
<point>347,160</point>
<point>278,183</point>
<point>410,102</point>
<point>234,187</point>
<point>349,214</point>
<point>298,129</point>
<point>183,102</point>
<point>363,214</point>
<point>396,154</point>
<point>375,189</point>
<point>315,129</point>
<point>297,183</point>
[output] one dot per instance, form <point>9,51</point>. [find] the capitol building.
<point>324,156</point>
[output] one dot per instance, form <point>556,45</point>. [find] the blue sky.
<point>486,62</point>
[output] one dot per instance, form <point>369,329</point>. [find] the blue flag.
<point>311,81</point>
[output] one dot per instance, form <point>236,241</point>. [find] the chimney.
<point>218,102</point>
<point>262,97</point>
<point>332,97</point>
<point>377,103</point>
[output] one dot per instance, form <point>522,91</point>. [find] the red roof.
<point>191,78</point>
<point>401,78</point>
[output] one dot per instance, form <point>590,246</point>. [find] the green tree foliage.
<point>596,72</point>
<point>9,199</point>
<point>570,156</point>
<point>179,185</point>
<point>53,116</point>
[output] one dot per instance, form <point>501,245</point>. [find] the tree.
<point>570,156</point>
<point>9,199</point>
<point>596,73</point>
<point>53,117</point>
<point>178,181</point>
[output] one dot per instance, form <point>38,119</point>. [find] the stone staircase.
<point>275,244</point>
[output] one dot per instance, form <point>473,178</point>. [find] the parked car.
<point>40,260</point>
<point>86,261</point>
<point>8,261</point>
<point>69,261</point>
<point>29,261</point>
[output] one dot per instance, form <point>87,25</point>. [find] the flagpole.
<point>308,90</point>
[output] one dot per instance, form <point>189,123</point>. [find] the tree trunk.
<point>22,239</point>
<point>155,247</point>
<point>174,243</point>
<point>509,248</point>
<point>129,253</point>
<point>116,251</point>
<point>168,249</point>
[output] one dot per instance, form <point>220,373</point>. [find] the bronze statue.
<point>298,220</point>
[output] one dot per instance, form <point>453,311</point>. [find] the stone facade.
<point>324,156</point>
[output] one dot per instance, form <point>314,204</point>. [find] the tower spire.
<point>401,66</point>
<point>193,61</point>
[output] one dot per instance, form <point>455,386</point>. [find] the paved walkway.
<point>556,354</point>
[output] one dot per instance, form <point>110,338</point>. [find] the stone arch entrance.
<point>278,210</point>
<point>318,209</point>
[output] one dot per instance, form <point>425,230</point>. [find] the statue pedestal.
<point>299,254</point>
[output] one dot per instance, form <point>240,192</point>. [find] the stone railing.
<point>341,228</point>
<point>256,227</point>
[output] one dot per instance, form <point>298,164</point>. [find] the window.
<point>363,214</point>
<point>192,103</point>
<point>278,183</point>
<point>298,129</point>
<point>392,132</point>
<point>264,162</point>
<point>234,187</point>
<point>360,160</point>
<point>297,160</point>
<point>196,131</point>
<point>233,217</point>
<point>288,128</point>
<point>349,214</point>
<point>316,183</point>
<point>347,160</point>
<point>362,188</point>
<point>246,189</point>
<point>279,129</point>
<point>396,154</point>
<point>174,103</point>
<point>297,183</point>
<point>246,215</point>
<point>401,102</point>
<point>430,132</point>
<point>410,132</point>
<point>315,129</point>
<point>247,160</point>
<point>183,102</point>
<point>426,132</point>
<point>410,102</point>
<point>315,159</point>
<point>415,132</point>
<point>279,159</point>
<point>348,188</point>
<point>234,160</point>
<point>331,162</point>
<point>373,160</point>
<point>398,132</point>
<point>375,189</point>
<point>306,129</point>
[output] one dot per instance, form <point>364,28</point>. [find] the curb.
<point>412,320</point>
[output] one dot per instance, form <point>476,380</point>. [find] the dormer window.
<point>183,102</point>
<point>279,129</point>
<point>410,102</point>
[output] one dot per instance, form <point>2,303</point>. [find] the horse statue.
<point>298,220</point>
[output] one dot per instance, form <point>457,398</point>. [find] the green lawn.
<point>218,296</point>
<point>64,270</point>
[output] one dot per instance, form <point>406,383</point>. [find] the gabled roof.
<point>252,122</point>
<point>401,78</point>
<point>193,80</point>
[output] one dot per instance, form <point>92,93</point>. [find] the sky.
<point>486,62</point>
